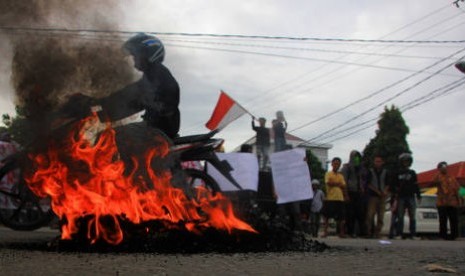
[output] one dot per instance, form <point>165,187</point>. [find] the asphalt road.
<point>24,253</point>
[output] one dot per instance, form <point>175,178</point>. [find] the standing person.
<point>157,92</point>
<point>317,205</point>
<point>263,142</point>
<point>334,203</point>
<point>407,189</point>
<point>378,183</point>
<point>292,211</point>
<point>447,202</point>
<point>279,130</point>
<point>355,209</point>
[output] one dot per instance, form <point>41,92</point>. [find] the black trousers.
<point>292,211</point>
<point>448,213</point>
<point>355,214</point>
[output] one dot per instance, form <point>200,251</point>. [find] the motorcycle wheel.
<point>26,212</point>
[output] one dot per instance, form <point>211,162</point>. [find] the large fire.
<point>89,180</point>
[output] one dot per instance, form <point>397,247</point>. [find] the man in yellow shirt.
<point>334,203</point>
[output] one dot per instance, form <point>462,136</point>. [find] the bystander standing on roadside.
<point>448,202</point>
<point>317,205</point>
<point>355,209</point>
<point>378,186</point>
<point>334,203</point>
<point>407,189</point>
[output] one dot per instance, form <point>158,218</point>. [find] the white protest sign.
<point>245,171</point>
<point>291,176</point>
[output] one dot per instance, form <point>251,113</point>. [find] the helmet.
<point>406,156</point>
<point>315,182</point>
<point>442,164</point>
<point>147,47</point>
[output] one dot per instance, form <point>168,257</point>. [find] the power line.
<point>400,69</point>
<point>401,28</point>
<point>383,102</point>
<point>418,101</point>
<point>431,96</point>
<point>353,71</point>
<point>95,31</point>
<point>318,50</point>
<point>449,91</point>
<point>378,91</point>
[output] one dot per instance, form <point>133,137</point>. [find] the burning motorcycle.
<point>114,174</point>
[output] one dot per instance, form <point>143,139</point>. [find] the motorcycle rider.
<point>157,92</point>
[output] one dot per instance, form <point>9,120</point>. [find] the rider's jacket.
<point>157,92</point>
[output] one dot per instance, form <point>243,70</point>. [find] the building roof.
<point>425,179</point>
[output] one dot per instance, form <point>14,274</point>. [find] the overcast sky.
<point>308,79</point>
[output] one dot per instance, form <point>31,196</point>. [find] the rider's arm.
<point>123,103</point>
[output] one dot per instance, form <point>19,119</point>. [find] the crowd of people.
<point>356,195</point>
<point>279,127</point>
<point>356,198</point>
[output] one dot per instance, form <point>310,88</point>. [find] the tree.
<point>390,140</point>
<point>18,127</point>
<point>316,169</point>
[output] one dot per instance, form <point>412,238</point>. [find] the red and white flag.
<point>226,111</point>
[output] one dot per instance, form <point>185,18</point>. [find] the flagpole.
<point>248,112</point>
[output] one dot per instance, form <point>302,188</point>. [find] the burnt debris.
<point>273,236</point>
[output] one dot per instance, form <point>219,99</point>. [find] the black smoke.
<point>48,66</point>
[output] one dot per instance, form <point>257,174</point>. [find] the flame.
<point>85,180</point>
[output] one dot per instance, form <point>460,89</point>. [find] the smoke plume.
<point>48,66</point>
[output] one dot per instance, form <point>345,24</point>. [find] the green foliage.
<point>390,140</point>
<point>315,166</point>
<point>18,127</point>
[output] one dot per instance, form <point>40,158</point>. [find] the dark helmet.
<point>442,164</point>
<point>406,157</point>
<point>147,47</point>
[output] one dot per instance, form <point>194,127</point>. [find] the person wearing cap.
<point>315,209</point>
<point>447,201</point>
